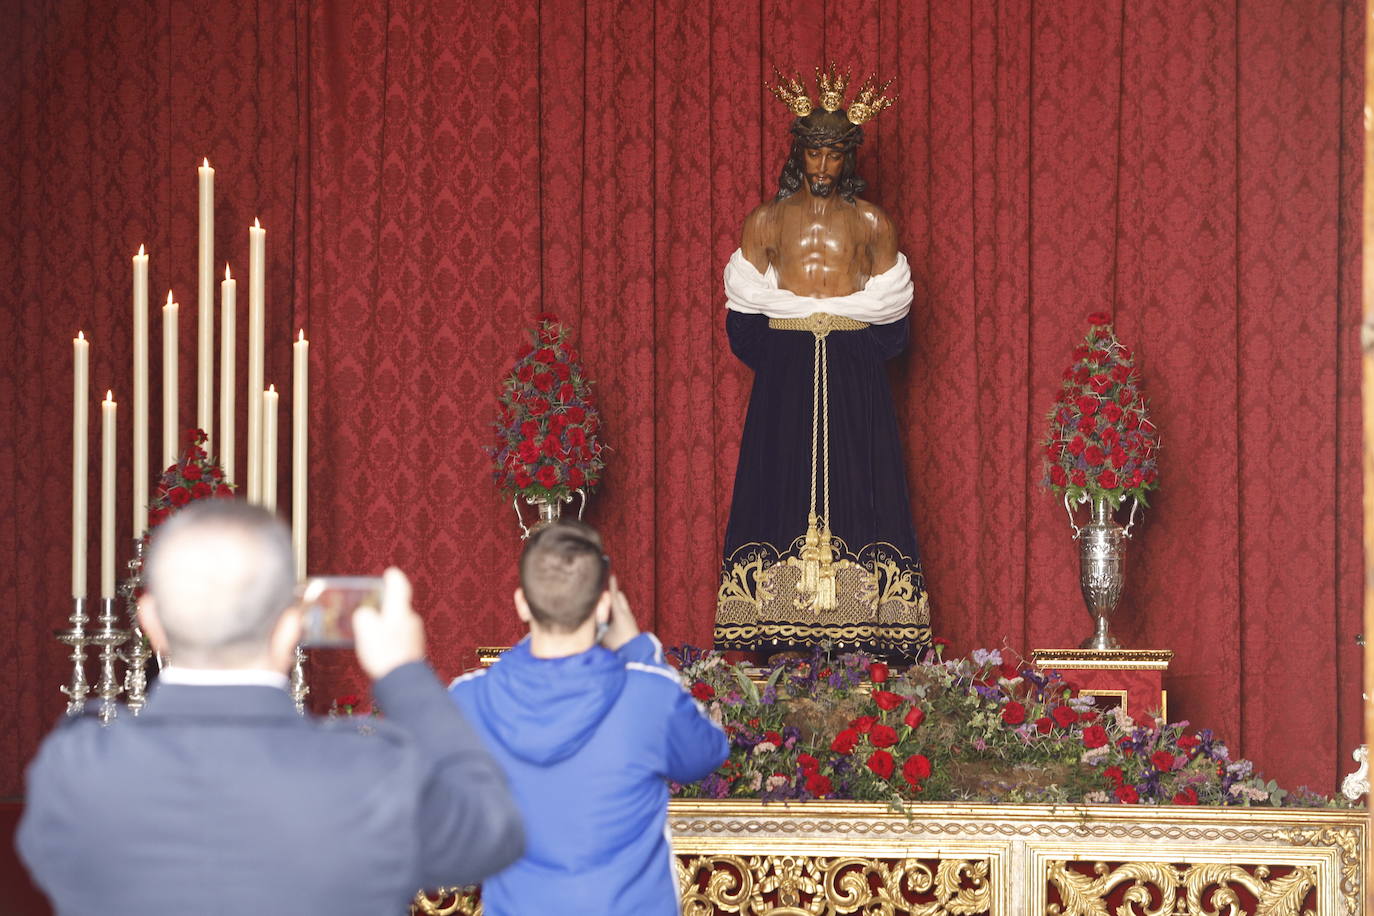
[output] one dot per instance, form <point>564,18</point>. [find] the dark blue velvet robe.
<point>883,602</point>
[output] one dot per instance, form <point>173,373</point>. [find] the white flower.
<point>1092,755</point>
<point>986,657</point>
<point>764,747</point>
<point>1097,798</point>
<point>777,781</point>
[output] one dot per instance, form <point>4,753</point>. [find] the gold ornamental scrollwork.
<point>447,901</point>
<point>1347,840</point>
<point>796,885</point>
<point>1153,889</point>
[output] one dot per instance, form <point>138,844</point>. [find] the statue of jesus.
<point>820,544</point>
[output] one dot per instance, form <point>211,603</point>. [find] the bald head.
<point>220,573</point>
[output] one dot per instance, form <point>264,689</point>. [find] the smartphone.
<point>327,604</point>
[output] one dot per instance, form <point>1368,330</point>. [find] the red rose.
<point>1162,760</point>
<point>1077,445</point>
<point>703,691</point>
<point>773,738</point>
<point>1087,718</point>
<point>180,496</point>
<point>1127,795</point>
<point>844,742</point>
<point>914,717</point>
<point>1125,396</point>
<point>1100,383</point>
<point>877,672</point>
<point>524,350</point>
<point>1063,716</point>
<point>1093,455</point>
<point>562,371</point>
<point>529,429</point>
<point>1188,742</point>
<point>547,476</point>
<point>1013,713</point>
<point>157,517</point>
<point>1110,437</point>
<point>1119,457</point>
<point>566,392</point>
<point>191,472</point>
<point>1080,352</point>
<point>916,768</point>
<point>1044,724</point>
<point>543,381</point>
<point>525,373</point>
<point>863,724</point>
<point>576,478</point>
<point>528,451</point>
<point>1111,412</point>
<point>1078,478</point>
<point>1094,736</point>
<point>1107,479</point>
<point>1132,421</point>
<point>201,490</point>
<point>818,785</point>
<point>576,414</point>
<point>886,699</point>
<point>1114,775</point>
<point>1144,720</point>
<point>1058,476</point>
<point>880,762</point>
<point>546,356</point>
<point>1187,797</point>
<point>1121,373</point>
<point>1097,319</point>
<point>1087,405</point>
<point>1080,375</point>
<point>883,735</point>
<point>808,763</point>
<point>224,491</point>
<point>538,407</point>
<point>522,480</point>
<point>551,446</point>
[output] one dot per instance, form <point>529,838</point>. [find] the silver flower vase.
<point>1102,566</point>
<point>550,511</point>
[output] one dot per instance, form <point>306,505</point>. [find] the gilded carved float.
<point>819,858</point>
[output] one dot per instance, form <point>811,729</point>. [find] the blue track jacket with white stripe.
<point>588,743</point>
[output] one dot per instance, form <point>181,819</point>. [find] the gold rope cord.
<point>817,583</point>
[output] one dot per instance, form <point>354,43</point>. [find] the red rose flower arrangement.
<point>1101,442</point>
<point>546,429</point>
<point>194,476</point>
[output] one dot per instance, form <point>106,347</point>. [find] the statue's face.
<point>822,167</point>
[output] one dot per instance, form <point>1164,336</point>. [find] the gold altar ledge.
<point>820,858</point>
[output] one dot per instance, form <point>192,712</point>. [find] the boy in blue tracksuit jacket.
<point>588,733</point>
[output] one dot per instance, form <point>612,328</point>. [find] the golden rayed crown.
<point>870,100</point>
<point>830,86</point>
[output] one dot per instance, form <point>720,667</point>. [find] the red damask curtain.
<point>435,174</point>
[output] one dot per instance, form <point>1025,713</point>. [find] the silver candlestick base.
<point>77,638</point>
<point>299,689</point>
<point>109,638</point>
<point>137,655</point>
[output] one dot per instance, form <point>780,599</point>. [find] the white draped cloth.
<point>884,299</point>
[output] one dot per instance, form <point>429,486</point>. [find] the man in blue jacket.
<point>588,731</point>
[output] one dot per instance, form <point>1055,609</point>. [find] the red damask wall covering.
<point>435,174</point>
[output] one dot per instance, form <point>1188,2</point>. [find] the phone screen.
<point>327,604</point>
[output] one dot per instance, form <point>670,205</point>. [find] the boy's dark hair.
<point>563,571</point>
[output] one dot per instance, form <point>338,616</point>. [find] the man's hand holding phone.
<point>392,637</point>
<point>622,627</point>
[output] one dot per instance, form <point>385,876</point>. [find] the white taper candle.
<point>228,307</point>
<point>257,286</point>
<point>81,355</point>
<point>205,303</point>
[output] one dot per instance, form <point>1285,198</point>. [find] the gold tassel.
<point>825,573</point>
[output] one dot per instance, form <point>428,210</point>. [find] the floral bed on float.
<point>987,728</point>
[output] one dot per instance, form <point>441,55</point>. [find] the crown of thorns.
<point>830,85</point>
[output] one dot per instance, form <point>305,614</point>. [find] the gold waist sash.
<point>818,323</point>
